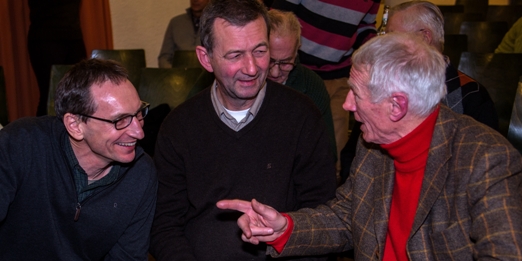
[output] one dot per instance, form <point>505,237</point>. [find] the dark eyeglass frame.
<point>279,63</point>
<point>144,110</point>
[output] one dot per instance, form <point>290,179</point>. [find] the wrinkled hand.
<point>259,223</point>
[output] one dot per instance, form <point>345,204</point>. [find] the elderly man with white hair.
<point>426,183</point>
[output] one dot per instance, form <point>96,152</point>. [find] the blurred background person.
<point>464,94</point>
<point>331,31</point>
<point>182,33</point>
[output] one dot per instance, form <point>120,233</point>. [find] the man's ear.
<point>399,106</point>
<point>204,58</point>
<point>72,125</point>
<point>427,36</point>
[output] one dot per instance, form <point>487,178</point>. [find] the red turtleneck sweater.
<point>409,154</point>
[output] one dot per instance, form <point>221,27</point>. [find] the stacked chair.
<point>58,71</point>
<point>185,59</point>
<point>484,37</point>
<point>165,89</point>
<point>500,74</point>
<point>133,60</point>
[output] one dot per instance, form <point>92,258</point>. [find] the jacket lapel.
<point>436,170</point>
<point>382,197</point>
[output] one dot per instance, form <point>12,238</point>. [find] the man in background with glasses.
<point>77,186</point>
<point>284,67</point>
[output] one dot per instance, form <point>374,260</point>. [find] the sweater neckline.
<point>407,151</point>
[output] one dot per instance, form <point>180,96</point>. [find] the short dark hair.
<point>73,94</point>
<point>236,12</point>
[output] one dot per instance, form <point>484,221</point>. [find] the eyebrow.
<point>121,115</point>
<point>263,44</point>
<point>284,59</point>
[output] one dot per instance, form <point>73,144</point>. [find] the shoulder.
<point>194,109</point>
<point>465,134</point>
<point>179,18</point>
<point>303,75</point>
<point>33,127</point>
<point>144,165</point>
<point>287,100</point>
<point>284,93</point>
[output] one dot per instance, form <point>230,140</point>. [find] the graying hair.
<point>402,62</point>
<point>426,16</point>
<point>284,23</point>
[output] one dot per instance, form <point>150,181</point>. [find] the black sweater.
<point>281,158</point>
<point>38,201</point>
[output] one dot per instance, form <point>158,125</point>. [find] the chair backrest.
<point>451,8</point>
<point>474,6</point>
<point>186,59</point>
<point>499,73</point>
<point>170,86</point>
<point>133,60</point>
<point>504,13</point>
<point>58,71</point>
<point>515,125</point>
<point>483,37</point>
<point>454,45</point>
<point>4,116</point>
<point>452,21</point>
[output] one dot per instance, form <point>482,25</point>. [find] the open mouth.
<point>127,144</point>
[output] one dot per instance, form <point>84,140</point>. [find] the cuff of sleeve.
<point>279,243</point>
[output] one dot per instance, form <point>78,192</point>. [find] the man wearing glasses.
<point>284,67</point>
<point>76,186</point>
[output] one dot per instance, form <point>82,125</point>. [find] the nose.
<point>135,129</point>
<point>249,65</point>
<point>349,103</point>
<point>274,71</point>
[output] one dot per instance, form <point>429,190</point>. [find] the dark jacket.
<point>38,201</point>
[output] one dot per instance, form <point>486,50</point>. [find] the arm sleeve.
<point>280,242</point>
<point>168,48</point>
<point>322,230</point>
<point>366,28</point>
<point>168,240</point>
<point>134,242</point>
<point>322,100</point>
<point>8,179</point>
<point>495,196</point>
<point>314,171</point>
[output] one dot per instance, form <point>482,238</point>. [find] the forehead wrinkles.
<point>232,37</point>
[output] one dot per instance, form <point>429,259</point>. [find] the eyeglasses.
<point>124,121</point>
<point>283,66</point>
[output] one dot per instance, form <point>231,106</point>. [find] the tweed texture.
<point>470,205</point>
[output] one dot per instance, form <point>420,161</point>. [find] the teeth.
<point>129,144</point>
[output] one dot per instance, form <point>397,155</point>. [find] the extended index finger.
<point>235,204</point>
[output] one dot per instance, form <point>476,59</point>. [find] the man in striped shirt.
<point>331,31</point>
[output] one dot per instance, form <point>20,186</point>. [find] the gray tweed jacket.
<point>470,207</point>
